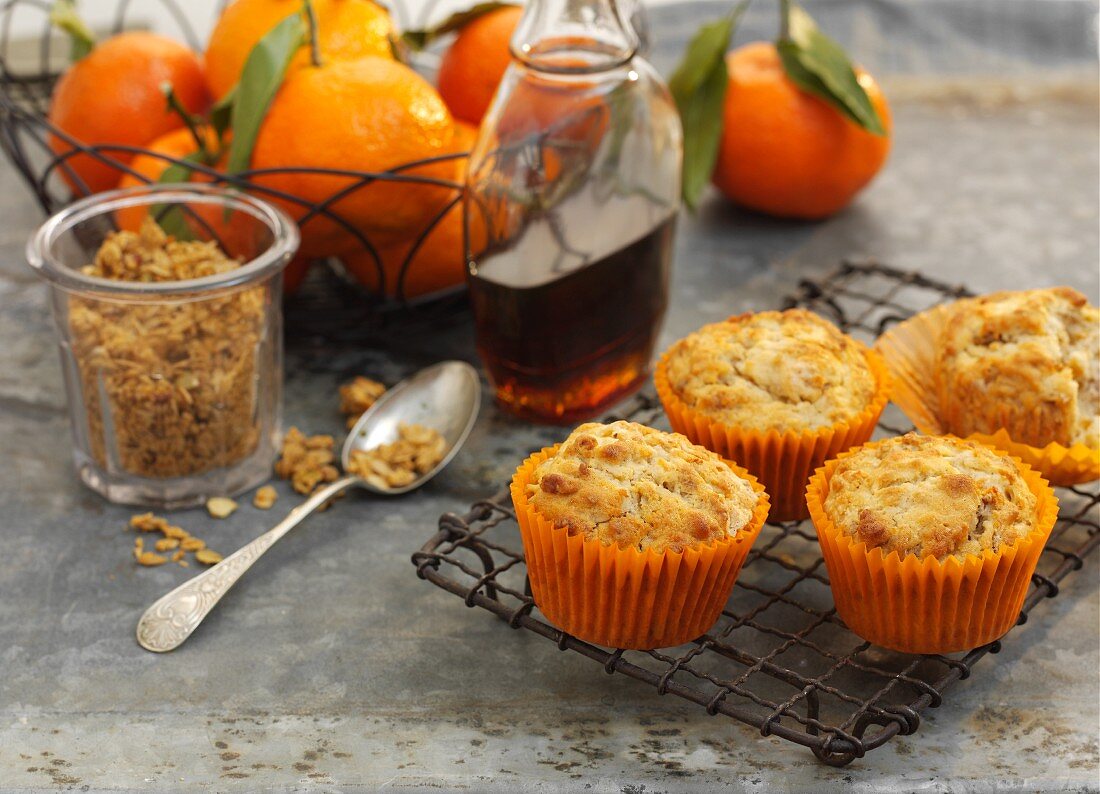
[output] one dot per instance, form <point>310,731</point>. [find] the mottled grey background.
<point>333,667</point>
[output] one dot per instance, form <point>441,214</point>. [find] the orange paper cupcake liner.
<point>783,462</point>
<point>922,605</point>
<point>910,353</point>
<point>626,598</point>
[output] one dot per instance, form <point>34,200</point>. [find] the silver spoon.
<point>445,397</point>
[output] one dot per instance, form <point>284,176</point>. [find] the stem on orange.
<point>64,16</point>
<point>314,42</point>
<point>189,121</point>
<point>784,19</point>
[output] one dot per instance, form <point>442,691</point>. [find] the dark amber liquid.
<point>568,348</point>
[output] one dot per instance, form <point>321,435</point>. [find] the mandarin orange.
<point>473,65</point>
<point>439,260</point>
<point>346,30</point>
<point>786,152</point>
<point>371,114</point>
<point>148,168</point>
<point>114,95</point>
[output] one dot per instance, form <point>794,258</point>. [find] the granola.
<point>418,450</point>
<point>169,388</point>
<point>175,539</point>
<point>220,506</point>
<point>208,557</point>
<point>357,395</point>
<point>265,497</point>
<point>307,461</point>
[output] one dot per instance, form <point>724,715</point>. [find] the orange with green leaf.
<point>373,115</point>
<point>113,95</point>
<point>200,144</point>
<point>791,129</point>
<point>346,30</point>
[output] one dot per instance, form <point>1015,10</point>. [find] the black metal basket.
<point>25,134</point>
<point>779,658</point>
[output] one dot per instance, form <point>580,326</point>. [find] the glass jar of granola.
<point>167,300</point>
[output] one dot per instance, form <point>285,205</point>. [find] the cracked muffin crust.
<point>1027,361</point>
<point>930,496</point>
<point>630,485</point>
<point>788,370</point>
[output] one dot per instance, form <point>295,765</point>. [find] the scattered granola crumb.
<point>149,558</point>
<point>417,451</point>
<point>265,497</point>
<point>307,461</point>
<point>357,395</point>
<point>147,522</point>
<point>208,557</point>
<point>220,506</point>
<point>175,539</point>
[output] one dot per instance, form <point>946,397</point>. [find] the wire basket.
<point>779,658</point>
<point>25,134</point>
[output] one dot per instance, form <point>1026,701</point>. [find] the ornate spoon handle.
<point>167,623</point>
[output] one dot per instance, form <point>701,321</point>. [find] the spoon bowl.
<point>445,397</point>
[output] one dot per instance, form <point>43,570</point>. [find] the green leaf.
<point>699,88</point>
<point>817,64</point>
<point>221,113</point>
<point>180,172</point>
<point>171,218</point>
<point>261,78</point>
<point>419,39</point>
<point>63,15</point>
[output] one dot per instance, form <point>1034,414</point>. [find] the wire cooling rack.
<point>779,658</point>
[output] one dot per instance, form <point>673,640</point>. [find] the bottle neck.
<point>573,36</point>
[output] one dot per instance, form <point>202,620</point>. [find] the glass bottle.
<point>572,197</point>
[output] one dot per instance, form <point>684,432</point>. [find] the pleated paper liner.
<point>783,462</point>
<point>910,353</point>
<point>922,605</point>
<point>626,598</point>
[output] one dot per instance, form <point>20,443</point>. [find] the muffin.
<point>1028,362</point>
<point>930,496</point>
<point>930,541</point>
<point>634,537</point>
<point>630,485</point>
<point>778,392</point>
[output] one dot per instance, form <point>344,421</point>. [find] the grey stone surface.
<point>333,667</point>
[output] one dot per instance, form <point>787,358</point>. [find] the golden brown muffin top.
<point>788,370</point>
<point>631,485</point>
<point>1030,359</point>
<point>930,496</point>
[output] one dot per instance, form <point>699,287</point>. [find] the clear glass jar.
<point>174,387</point>
<point>573,190</point>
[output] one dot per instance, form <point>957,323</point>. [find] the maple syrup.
<point>561,343</point>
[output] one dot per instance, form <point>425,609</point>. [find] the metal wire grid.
<point>26,134</point>
<point>333,305</point>
<point>779,658</point>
